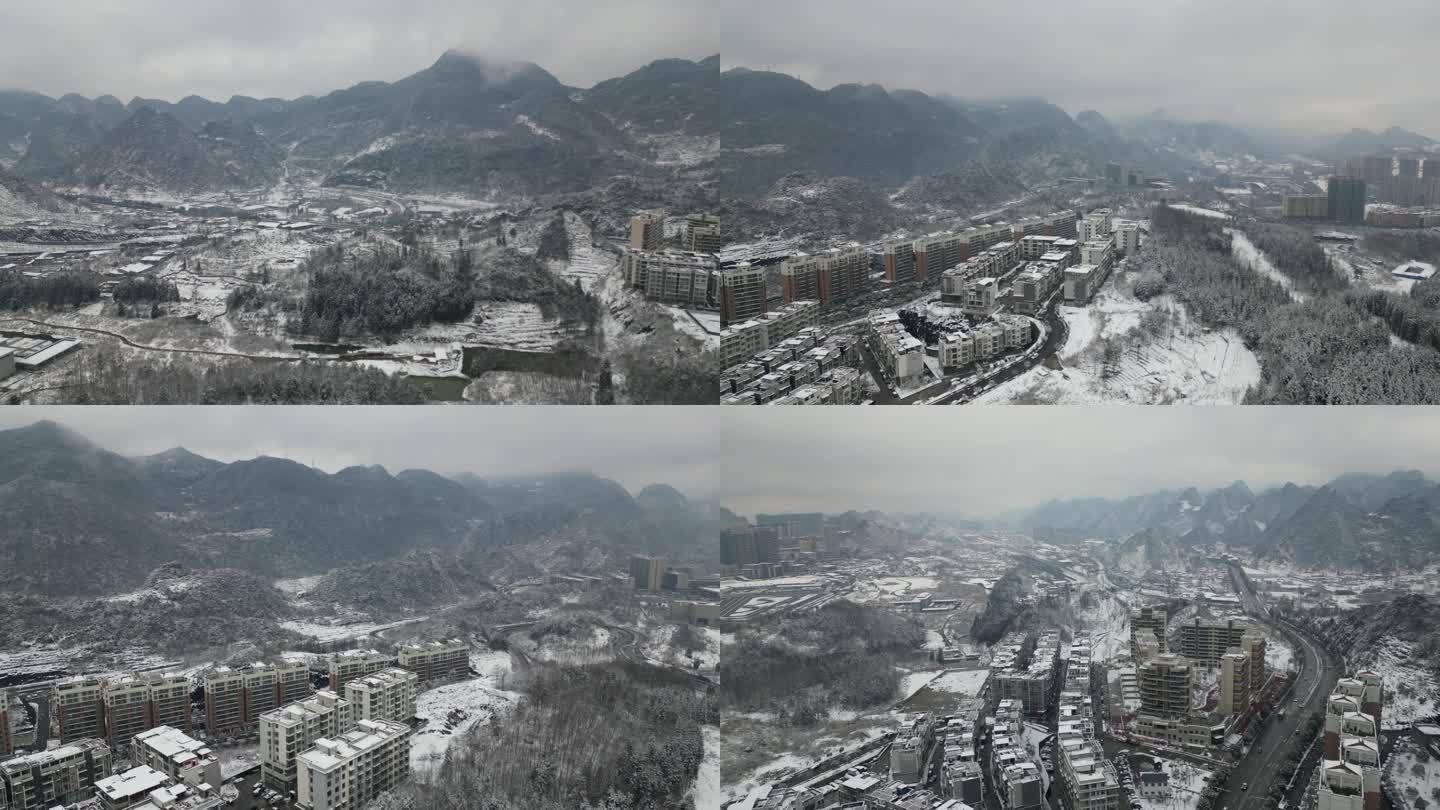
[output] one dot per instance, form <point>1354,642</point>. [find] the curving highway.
<point>1319,670</point>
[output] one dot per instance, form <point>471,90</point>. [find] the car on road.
<point>1244,785</point>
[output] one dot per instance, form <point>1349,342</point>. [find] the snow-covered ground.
<point>1186,782</point>
<point>516,325</point>
<point>1410,689</point>
<point>342,632</point>
<point>588,264</point>
<point>1190,364</point>
<point>1410,777</point>
<point>1204,212</point>
<point>1109,626</point>
<point>658,646</point>
<point>913,682</point>
<point>296,585</point>
<point>706,791</point>
<point>235,759</point>
<point>1247,254</point>
<point>966,682</point>
<point>730,584</point>
<point>447,712</point>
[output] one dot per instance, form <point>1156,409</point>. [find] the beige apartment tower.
<point>350,664</point>
<point>293,728</point>
<point>347,771</point>
<point>385,695</point>
<point>647,230</point>
<point>433,660</point>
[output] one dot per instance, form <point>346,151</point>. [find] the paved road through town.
<point>1319,670</point>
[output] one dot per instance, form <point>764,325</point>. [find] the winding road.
<point>1319,670</point>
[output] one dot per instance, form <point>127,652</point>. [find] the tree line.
<point>63,290</point>
<point>1327,350</point>
<point>613,735</point>
<point>800,666</point>
<point>106,375</point>
<point>384,291</point>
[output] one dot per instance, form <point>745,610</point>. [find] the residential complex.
<point>236,697</point>
<point>680,277</point>
<point>348,664</point>
<point>1234,682</point>
<point>1088,779</point>
<point>434,660</point>
<point>918,259</point>
<point>829,277</point>
<point>747,546</point>
<point>59,776</point>
<point>293,728</point>
<point>177,755</point>
<point>1013,773</point>
<point>1147,627</point>
<point>742,293</point>
<point>702,233</point>
<point>743,340</point>
<point>118,708</point>
<point>647,230</point>
<point>348,770</point>
<point>77,708</point>
<point>1351,764</point>
<point>1205,641</point>
<point>385,695</point>
<point>135,703</point>
<point>1026,678</point>
<point>1165,685</point>
<point>807,369</point>
<point>646,572</point>
<point>1305,206</point>
<point>900,354</point>
<point>1346,199</point>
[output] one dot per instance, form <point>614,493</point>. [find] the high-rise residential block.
<point>742,293</point>
<point>349,664</point>
<point>647,230</point>
<point>385,695</point>
<point>702,233</point>
<point>348,770</point>
<point>293,728</point>
<point>56,777</point>
<point>433,660</point>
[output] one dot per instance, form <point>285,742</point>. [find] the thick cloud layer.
<point>984,461</point>
<point>635,446</point>
<point>1326,64</point>
<point>169,49</point>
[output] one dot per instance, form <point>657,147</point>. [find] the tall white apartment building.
<point>349,664</point>
<point>293,728</point>
<point>1095,225</point>
<point>432,660</point>
<point>1088,777</point>
<point>347,771</point>
<point>385,695</point>
<point>1127,237</point>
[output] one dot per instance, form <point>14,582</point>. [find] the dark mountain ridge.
<point>464,123</point>
<point>84,520</point>
<point>1360,521</point>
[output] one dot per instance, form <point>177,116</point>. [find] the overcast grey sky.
<point>1333,64</point>
<point>168,49</point>
<point>635,446</point>
<point>984,461</point>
